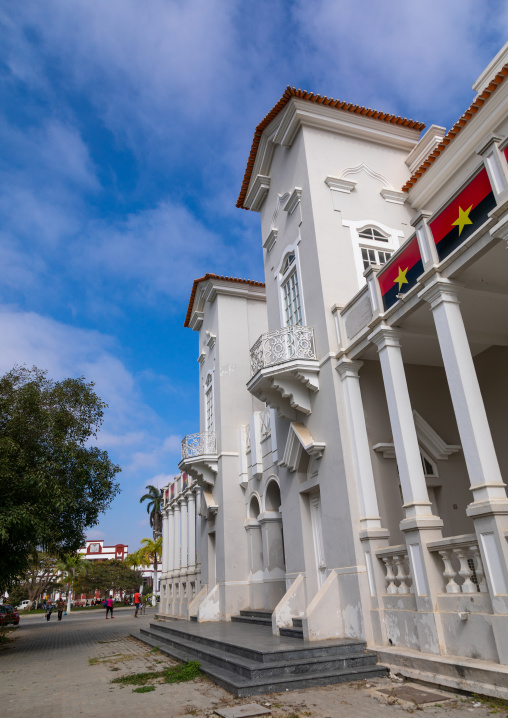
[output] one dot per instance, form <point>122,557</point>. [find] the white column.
<point>177,544</point>
<point>489,508</point>
<point>192,530</point>
<point>164,542</point>
<point>414,489</point>
<point>484,473</point>
<point>366,488</point>
<point>170,544</point>
<point>184,532</point>
<point>419,524</point>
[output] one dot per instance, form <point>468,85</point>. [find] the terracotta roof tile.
<point>320,100</point>
<point>214,276</point>
<point>457,127</point>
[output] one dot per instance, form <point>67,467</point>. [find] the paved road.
<point>46,673</point>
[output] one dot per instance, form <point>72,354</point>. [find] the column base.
<point>421,523</point>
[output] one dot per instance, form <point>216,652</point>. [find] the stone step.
<point>257,613</point>
<point>297,622</point>
<point>194,618</point>
<point>269,680</point>
<point>255,620</point>
<point>291,632</point>
<point>255,669</point>
<point>257,642</point>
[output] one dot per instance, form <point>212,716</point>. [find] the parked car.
<point>8,615</point>
<point>24,605</point>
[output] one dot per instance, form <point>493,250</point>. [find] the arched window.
<point>209,412</point>
<point>290,290</point>
<point>373,243</point>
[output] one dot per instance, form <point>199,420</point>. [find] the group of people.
<point>60,607</point>
<point>108,603</point>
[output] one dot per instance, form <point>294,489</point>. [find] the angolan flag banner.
<point>463,215</point>
<point>401,274</point>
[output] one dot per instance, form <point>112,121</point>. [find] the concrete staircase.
<point>254,616</point>
<point>246,659</point>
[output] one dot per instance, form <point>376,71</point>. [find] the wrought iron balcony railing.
<point>283,345</point>
<point>204,442</point>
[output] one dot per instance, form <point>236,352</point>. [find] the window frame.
<point>391,244</point>
<point>284,277</point>
<point>209,401</point>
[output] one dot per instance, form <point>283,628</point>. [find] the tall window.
<point>291,291</point>
<point>209,418</point>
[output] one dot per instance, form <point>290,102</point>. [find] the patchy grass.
<point>93,661</point>
<point>6,635</point>
<point>155,650</point>
<point>177,674</point>
<point>496,705</point>
<point>143,689</point>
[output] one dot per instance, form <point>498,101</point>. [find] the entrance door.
<point>317,532</point>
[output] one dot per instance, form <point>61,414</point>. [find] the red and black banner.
<point>468,211</point>
<point>401,273</point>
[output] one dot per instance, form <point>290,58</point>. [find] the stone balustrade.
<point>398,573</point>
<point>462,564</point>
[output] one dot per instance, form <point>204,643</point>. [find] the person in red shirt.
<point>109,607</point>
<point>137,601</point>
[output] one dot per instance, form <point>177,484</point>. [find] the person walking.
<point>61,608</point>
<point>137,600</point>
<point>109,607</point>
<point>49,609</point>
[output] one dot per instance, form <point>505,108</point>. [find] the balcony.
<point>199,457</point>
<point>285,370</point>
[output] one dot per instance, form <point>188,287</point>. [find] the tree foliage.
<point>154,496</point>
<point>41,577</point>
<point>108,575</point>
<point>54,483</point>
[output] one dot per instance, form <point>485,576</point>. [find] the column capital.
<point>439,291</point>
<point>348,368</point>
<point>385,336</point>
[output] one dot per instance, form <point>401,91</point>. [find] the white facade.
<point>364,490</point>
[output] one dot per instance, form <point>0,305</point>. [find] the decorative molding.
<point>211,338</point>
<point>393,196</point>
<point>257,193</point>
<point>269,242</point>
<point>202,356</point>
<point>293,201</point>
<point>300,439</point>
<point>362,167</point>
<point>340,185</point>
<point>429,439</point>
<point>428,142</point>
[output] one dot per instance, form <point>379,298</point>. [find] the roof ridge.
<point>290,92</point>
<point>473,108</point>
<point>207,276</point>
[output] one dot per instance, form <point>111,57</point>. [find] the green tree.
<point>150,552</point>
<point>113,575</point>
<point>71,567</point>
<point>54,483</point>
<point>41,575</point>
<point>154,496</point>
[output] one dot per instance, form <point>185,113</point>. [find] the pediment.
<point>300,439</point>
<point>428,438</point>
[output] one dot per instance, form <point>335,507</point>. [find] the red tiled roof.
<point>214,276</point>
<point>320,100</point>
<point>472,110</point>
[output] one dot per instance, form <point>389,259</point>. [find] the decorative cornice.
<point>257,193</point>
<point>393,196</point>
<point>293,201</point>
<point>269,242</point>
<point>339,184</point>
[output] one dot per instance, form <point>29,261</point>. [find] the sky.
<point>125,127</point>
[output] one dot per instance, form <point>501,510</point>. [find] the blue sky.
<point>125,127</point>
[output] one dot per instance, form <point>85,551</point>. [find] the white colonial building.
<point>348,473</point>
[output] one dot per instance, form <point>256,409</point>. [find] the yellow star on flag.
<point>463,219</point>
<point>401,279</point>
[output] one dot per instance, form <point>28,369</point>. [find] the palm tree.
<point>154,498</point>
<point>148,553</point>
<point>135,560</point>
<point>71,565</point>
